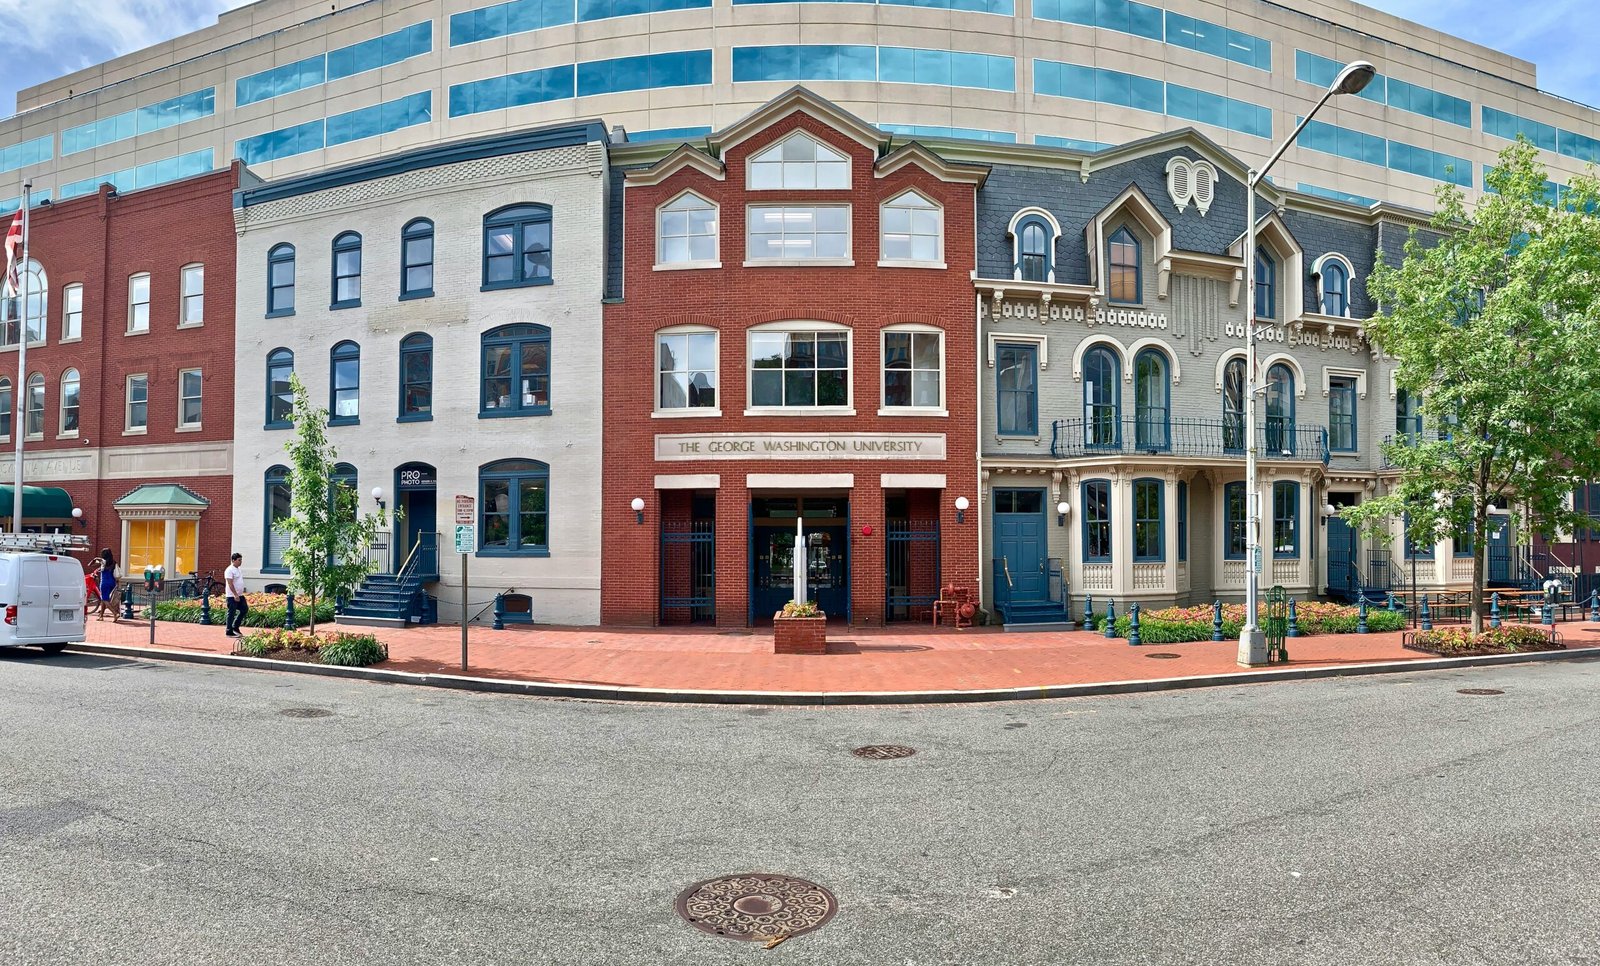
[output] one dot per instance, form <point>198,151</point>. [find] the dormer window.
<point>1122,268</point>
<point>1333,295</point>
<point>1033,235</point>
<point>911,231</point>
<point>1266,285</point>
<point>799,162</point>
<point>686,232</point>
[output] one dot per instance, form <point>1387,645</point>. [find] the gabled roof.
<point>913,153</point>
<point>161,494</point>
<point>1185,137</point>
<point>795,99</point>
<point>686,156</point>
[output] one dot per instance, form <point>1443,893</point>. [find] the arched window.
<point>1102,399</point>
<point>416,378</point>
<point>1285,519</point>
<point>1096,521</point>
<point>280,281</point>
<point>1266,285</point>
<point>516,247</point>
<point>911,229</point>
<point>38,285</point>
<point>1149,537</point>
<point>1234,519</point>
<point>416,259</point>
<point>344,385</point>
<point>514,508</point>
<point>1123,284</point>
<point>1034,263</point>
<point>280,397</point>
<point>686,231</point>
<point>346,271</point>
<point>516,371</point>
<point>278,507</point>
<point>1151,394</point>
<point>342,475</point>
<point>1335,289</point>
<point>69,402</point>
<point>6,407</point>
<point>1280,410</point>
<point>35,401</point>
<point>1233,438</point>
<point>798,161</point>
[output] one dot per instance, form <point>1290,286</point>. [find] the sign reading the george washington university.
<point>800,446</point>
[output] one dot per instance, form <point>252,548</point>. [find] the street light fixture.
<point>377,497</point>
<point>961,509</point>
<point>1252,643</point>
<point>1062,509</point>
<point>637,505</point>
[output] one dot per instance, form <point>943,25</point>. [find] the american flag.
<point>14,255</point>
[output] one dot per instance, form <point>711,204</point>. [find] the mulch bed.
<point>285,654</point>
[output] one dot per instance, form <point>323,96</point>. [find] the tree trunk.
<point>1479,558</point>
<point>313,611</point>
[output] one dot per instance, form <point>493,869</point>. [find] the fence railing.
<point>1217,438</point>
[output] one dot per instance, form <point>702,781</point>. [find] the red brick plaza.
<point>803,295</point>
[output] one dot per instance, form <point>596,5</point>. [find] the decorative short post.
<point>499,612</point>
<point>1088,612</point>
<point>1361,615</point>
<point>1494,609</point>
<point>1294,620</point>
<point>1594,606</point>
<point>1133,626</point>
<point>1391,601</point>
<point>127,601</point>
<point>1111,619</point>
<point>338,604</point>
<point>1427,618</point>
<point>205,609</point>
<point>288,610</point>
<point>1216,620</point>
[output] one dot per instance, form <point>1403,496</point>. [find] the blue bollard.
<point>1392,607</point>
<point>1216,621</point>
<point>499,613</point>
<point>205,609</point>
<point>1088,612</point>
<point>1111,619</point>
<point>1427,618</point>
<point>1594,606</point>
<point>1133,627</point>
<point>1361,615</point>
<point>127,602</point>
<point>288,611</point>
<point>1294,621</point>
<point>1494,609</point>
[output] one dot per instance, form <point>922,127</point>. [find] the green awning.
<point>38,502</point>
<point>161,494</point>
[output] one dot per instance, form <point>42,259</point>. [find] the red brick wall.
<point>863,297</point>
<point>99,241</point>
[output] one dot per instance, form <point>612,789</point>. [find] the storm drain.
<point>306,713</point>
<point>756,906</point>
<point>883,752</point>
<point>1480,691</point>
<point>1163,656</point>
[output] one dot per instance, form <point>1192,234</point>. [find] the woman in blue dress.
<point>108,583</point>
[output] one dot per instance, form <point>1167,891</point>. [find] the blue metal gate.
<point>913,569</point>
<point>688,577</point>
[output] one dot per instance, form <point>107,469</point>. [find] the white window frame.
<point>829,261</point>
<point>1349,283</point>
<point>199,397</point>
<point>184,322</point>
<point>938,210</point>
<point>128,429</point>
<point>799,325</point>
<point>68,314</point>
<point>7,386</point>
<point>132,305</point>
<point>657,410</point>
<point>715,261</point>
<point>1054,233</point>
<point>884,409</point>
<point>777,148</point>
<point>61,404</point>
<point>27,404</point>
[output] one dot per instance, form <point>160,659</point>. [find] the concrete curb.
<point>598,692</point>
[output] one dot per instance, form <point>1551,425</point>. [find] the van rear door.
<point>66,600</point>
<point>33,598</point>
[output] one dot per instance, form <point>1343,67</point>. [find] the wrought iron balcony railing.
<point>1214,438</point>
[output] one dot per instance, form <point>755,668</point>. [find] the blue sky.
<point>47,38</point>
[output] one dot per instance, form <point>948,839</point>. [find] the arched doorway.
<point>416,531</point>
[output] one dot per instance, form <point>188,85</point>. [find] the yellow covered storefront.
<point>160,528</point>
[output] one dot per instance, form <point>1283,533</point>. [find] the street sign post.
<point>465,511</point>
<point>466,545</point>
<point>466,538</point>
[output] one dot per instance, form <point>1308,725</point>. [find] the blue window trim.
<point>345,351</point>
<point>1092,374</point>
<point>1292,489</point>
<point>416,229</point>
<point>1122,236</point>
<point>1232,519</point>
<point>1030,352</point>
<point>517,217</point>
<point>276,358</point>
<point>1183,521</point>
<point>415,344</point>
<point>274,475</point>
<point>1084,501</point>
<point>1159,521</point>
<point>349,241</point>
<point>1346,387</point>
<point>502,471</point>
<point>1280,374</point>
<point>501,337</point>
<point>1333,269</point>
<point>277,255</point>
<point>1049,253</point>
<point>1142,409</point>
<point>1266,293</point>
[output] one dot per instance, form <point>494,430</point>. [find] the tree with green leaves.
<point>1495,326</point>
<point>327,534</point>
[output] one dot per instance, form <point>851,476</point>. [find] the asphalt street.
<point>156,814</point>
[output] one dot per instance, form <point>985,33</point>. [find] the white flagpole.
<point>19,427</point>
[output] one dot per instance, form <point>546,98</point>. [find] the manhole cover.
<point>884,752</point>
<point>1163,656</point>
<point>1480,691</point>
<point>306,713</point>
<point>756,906</point>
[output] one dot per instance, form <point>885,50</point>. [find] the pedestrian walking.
<point>108,584</point>
<point>91,589</point>
<point>233,585</point>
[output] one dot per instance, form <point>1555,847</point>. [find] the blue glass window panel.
<point>1554,194</point>
<point>1575,145</point>
<point>1226,112</point>
<point>1345,143</point>
<point>1218,41</point>
<point>1314,69</point>
<point>504,19</point>
<point>151,117</point>
<point>1361,200</point>
<point>1124,16</point>
<point>1429,103</point>
<point>145,175</point>
<point>1505,125</point>
<point>380,118</point>
<point>10,205</point>
<point>28,152</point>
<point>511,90</point>
<point>282,143</point>
<point>280,80</point>
<point>1075,144</point>
<point>645,72</point>
<point>670,134</point>
<point>1430,164</point>
<point>1003,7</point>
<point>806,62</point>
<point>908,65</point>
<point>935,131</point>
<point>605,9</point>
<point>391,48</point>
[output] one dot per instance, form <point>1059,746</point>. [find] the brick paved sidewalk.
<point>876,659</point>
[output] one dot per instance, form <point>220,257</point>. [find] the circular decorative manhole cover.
<point>756,906</point>
<point>884,752</point>
<point>306,713</point>
<point>1480,691</point>
<point>1163,656</point>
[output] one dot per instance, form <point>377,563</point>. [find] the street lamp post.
<point>1252,643</point>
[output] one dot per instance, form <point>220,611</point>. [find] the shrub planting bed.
<point>1178,625</point>
<point>266,610</point>
<point>1459,642</point>
<point>341,648</point>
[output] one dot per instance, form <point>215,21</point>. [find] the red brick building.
<point>128,397</point>
<point>795,344</point>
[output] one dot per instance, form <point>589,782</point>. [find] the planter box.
<point>799,635</point>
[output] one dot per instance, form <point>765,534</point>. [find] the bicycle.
<point>192,584</point>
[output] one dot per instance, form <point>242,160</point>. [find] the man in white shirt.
<point>233,583</point>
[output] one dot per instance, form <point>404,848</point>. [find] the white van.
<point>42,598</point>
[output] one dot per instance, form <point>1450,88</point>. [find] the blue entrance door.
<point>1019,537</point>
<point>416,497</point>
<point>1341,558</point>
<point>1499,553</point>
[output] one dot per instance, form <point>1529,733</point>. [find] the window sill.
<point>545,552</point>
<point>36,344</point>
<point>422,294</point>
<point>1018,437</point>
<point>64,341</point>
<point>275,570</point>
<point>902,263</point>
<point>912,411</point>
<point>136,432</point>
<point>683,266</point>
<point>280,314</point>
<point>1344,452</point>
<point>351,304</point>
<point>497,286</point>
<point>1154,560</point>
<point>1096,560</point>
<point>508,412</point>
<point>1286,556</point>
<point>193,428</point>
<point>270,426</point>
<point>801,411</point>
<point>37,438</point>
<point>192,325</point>
<point>685,413</point>
<point>345,421</point>
<point>799,263</point>
<point>415,418</point>
<point>1125,306</point>
<point>137,332</point>
<point>71,435</point>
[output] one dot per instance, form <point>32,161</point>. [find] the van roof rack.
<point>44,542</point>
